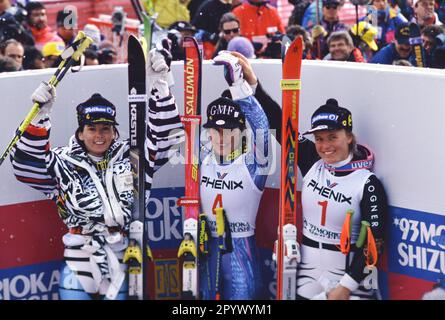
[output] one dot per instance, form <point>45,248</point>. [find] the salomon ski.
<point>188,250</point>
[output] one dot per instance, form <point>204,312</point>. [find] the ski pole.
<point>345,236</point>
<point>220,224</point>
<point>69,55</point>
<point>137,9</point>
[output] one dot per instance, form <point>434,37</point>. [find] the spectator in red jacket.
<point>258,20</point>
<point>38,24</point>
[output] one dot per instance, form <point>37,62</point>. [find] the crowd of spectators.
<point>254,28</point>
<point>380,33</point>
<point>28,42</point>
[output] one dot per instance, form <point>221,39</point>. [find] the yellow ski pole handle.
<point>81,43</point>
<point>220,227</point>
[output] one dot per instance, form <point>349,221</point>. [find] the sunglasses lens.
<point>235,30</point>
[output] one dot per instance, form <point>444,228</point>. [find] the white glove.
<point>435,294</point>
<point>158,68</point>
<point>45,95</point>
<point>233,73</point>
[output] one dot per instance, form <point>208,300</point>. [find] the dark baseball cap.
<point>330,117</point>
<point>402,33</point>
<point>96,109</point>
<point>335,2</point>
<point>182,26</point>
<point>225,113</point>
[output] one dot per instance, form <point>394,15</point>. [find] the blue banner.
<point>415,246</point>
<point>164,218</point>
<point>32,282</point>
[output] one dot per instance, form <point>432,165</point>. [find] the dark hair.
<point>62,15</point>
<point>33,5</point>
<point>31,55</point>
<point>228,17</point>
<point>294,30</point>
<point>432,32</point>
<point>82,144</point>
<point>91,54</point>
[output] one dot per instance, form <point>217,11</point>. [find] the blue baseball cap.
<point>330,116</point>
<point>96,109</point>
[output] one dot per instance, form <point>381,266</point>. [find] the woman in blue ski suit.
<point>233,176</point>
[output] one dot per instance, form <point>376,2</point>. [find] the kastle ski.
<point>188,251</point>
<point>286,248</point>
<point>134,256</point>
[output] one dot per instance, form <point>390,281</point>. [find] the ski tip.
<point>285,44</point>
<point>291,46</point>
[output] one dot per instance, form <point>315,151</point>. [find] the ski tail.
<point>135,257</point>
<point>287,231</point>
<point>188,251</point>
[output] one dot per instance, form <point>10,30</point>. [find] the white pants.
<point>319,266</point>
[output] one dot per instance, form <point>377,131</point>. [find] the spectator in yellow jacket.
<point>170,11</point>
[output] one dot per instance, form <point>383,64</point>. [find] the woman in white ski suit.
<point>91,180</point>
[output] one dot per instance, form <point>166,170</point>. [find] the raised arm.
<point>306,148</point>
<point>31,158</point>
<point>164,128</point>
<point>242,93</point>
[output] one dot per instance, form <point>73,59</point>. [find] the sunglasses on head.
<point>234,30</point>
<point>331,6</point>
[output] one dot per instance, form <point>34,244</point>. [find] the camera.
<point>118,20</point>
<point>273,49</point>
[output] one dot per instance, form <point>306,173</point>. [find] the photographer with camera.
<point>273,48</point>
<point>430,43</point>
<point>107,53</point>
<point>177,32</point>
<point>438,52</point>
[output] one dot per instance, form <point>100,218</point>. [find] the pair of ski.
<point>286,247</point>
<point>189,248</point>
<point>135,256</point>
